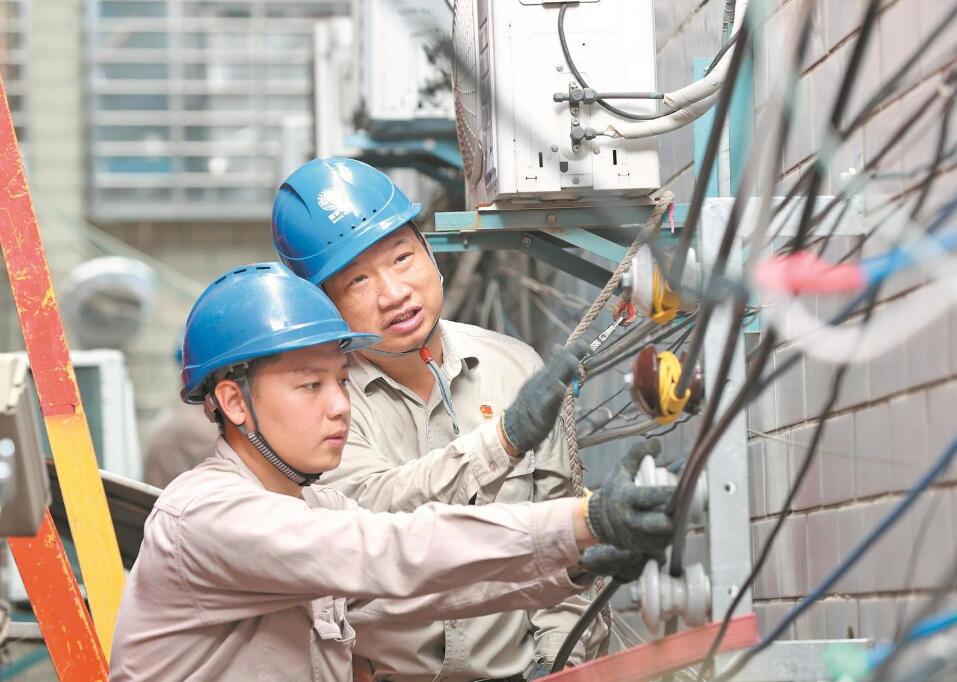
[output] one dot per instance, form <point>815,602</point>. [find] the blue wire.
<point>879,268</point>
<point>922,630</point>
<point>859,551</point>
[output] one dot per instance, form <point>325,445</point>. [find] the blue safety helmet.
<point>256,311</point>
<point>330,210</point>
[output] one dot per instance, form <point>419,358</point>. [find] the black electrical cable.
<point>601,101</point>
<point>586,619</point>
<point>941,465</point>
<point>871,296</point>
<point>681,502</point>
<point>879,96</point>
<point>676,271</point>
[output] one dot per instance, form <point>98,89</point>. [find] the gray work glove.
<point>626,516</point>
<point>530,417</point>
<point>623,565</point>
<point>541,669</point>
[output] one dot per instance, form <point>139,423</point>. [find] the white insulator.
<point>641,279</point>
<point>651,475</point>
<point>663,597</point>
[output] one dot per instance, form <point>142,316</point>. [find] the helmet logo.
<point>336,202</point>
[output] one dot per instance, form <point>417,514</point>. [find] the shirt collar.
<point>458,355</point>
<point>225,451</point>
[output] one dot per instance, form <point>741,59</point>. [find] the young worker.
<point>346,227</point>
<point>248,573</point>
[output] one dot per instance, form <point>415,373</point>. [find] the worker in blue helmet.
<point>246,571</point>
<point>419,396</point>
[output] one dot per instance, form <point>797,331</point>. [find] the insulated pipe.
<point>690,102</point>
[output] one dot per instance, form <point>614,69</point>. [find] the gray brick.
<point>809,494</point>
<point>931,524</point>
<point>823,544</point>
<point>756,477</point>
<point>909,444</point>
<point>842,17</point>
<point>900,19</point>
<point>888,555</point>
<point>766,581</point>
<point>761,412</point>
<point>841,619</point>
<point>888,373</point>
<point>952,329</point>
<point>789,390</point>
<point>931,14</point>
<point>837,460</point>
<point>776,475</point>
<point>928,354</point>
<point>789,557</point>
<point>872,438</point>
<point>942,426</point>
<point>853,524</point>
<point>769,615</point>
<point>877,618</point>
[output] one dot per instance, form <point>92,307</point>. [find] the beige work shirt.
<point>402,453</point>
<point>228,584</point>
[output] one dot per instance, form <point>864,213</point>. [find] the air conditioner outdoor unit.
<point>403,52</point>
<point>516,140</point>
<point>335,86</point>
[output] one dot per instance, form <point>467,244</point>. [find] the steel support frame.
<point>728,529</point>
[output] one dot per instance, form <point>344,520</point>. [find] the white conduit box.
<point>516,140</point>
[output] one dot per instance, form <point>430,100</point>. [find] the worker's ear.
<point>231,403</point>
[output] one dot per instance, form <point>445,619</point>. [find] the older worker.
<point>346,227</point>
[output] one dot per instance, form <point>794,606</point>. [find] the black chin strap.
<point>259,441</point>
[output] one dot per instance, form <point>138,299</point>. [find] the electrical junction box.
<point>516,140</point>
<point>24,485</point>
<point>404,57</point>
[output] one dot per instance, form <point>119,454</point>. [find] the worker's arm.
<point>456,473</point>
<point>240,551</point>
<point>551,626</point>
<point>453,474</point>
<point>477,599</point>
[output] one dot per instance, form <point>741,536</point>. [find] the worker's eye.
<point>344,382</point>
<point>403,257</point>
<point>312,386</point>
<point>358,279</point>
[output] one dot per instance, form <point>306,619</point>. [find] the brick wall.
<point>896,412</point>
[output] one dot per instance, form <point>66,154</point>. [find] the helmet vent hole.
<point>328,243</point>
<point>239,271</point>
<point>220,279</point>
<point>340,234</point>
<point>263,267</point>
<point>375,210</point>
<point>353,227</point>
<point>363,220</point>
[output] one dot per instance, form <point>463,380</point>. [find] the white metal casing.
<point>521,148</point>
<point>335,86</point>
<point>403,78</point>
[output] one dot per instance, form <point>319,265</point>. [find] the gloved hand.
<point>623,565</point>
<point>532,414</point>
<point>626,516</point>
<point>541,669</point>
